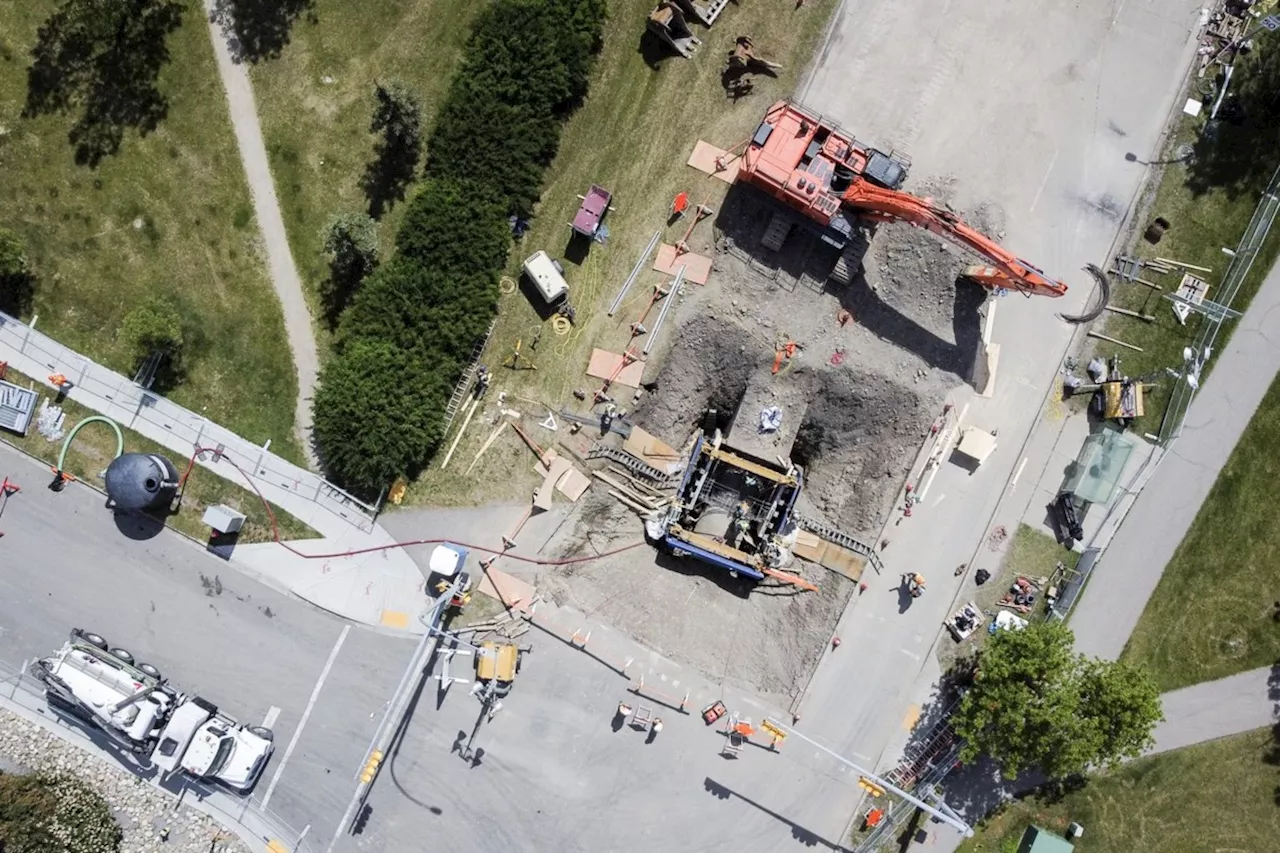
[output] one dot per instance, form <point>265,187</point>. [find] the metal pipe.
<point>888,786</point>
<point>626,285</point>
<point>666,306</point>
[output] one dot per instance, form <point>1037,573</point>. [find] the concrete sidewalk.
<point>1216,709</point>
<point>1136,557</point>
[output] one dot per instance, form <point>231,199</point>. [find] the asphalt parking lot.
<point>254,652</point>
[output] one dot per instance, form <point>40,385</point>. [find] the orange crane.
<point>814,167</point>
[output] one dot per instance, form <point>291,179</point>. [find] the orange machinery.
<point>816,168</point>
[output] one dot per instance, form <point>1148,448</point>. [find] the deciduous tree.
<point>1035,703</point>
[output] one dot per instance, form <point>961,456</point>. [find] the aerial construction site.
<point>768,385</point>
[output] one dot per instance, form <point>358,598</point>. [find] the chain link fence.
<point>247,813</point>
<point>156,417</point>
<point>1255,235</point>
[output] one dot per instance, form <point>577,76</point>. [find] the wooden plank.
<point>704,157</point>
<point>842,560</point>
<point>746,465</point>
<point>1172,262</point>
<point>573,484</point>
<point>510,591</point>
<point>1128,313</point>
<point>697,267</point>
<point>1103,337</point>
<point>542,497</point>
<point>811,552</point>
<point>604,364</point>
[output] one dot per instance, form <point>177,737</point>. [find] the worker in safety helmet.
<point>915,583</point>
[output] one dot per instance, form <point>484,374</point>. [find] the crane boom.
<point>815,167</point>
<point>1007,269</point>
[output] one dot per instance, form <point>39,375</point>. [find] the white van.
<point>547,276</point>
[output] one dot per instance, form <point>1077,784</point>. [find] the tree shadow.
<point>17,293</point>
<point>1236,152</point>
<point>388,175</point>
<point>259,29</point>
<point>105,66</point>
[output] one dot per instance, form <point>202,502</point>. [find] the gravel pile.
<point>141,810</point>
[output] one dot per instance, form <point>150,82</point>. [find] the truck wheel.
<point>149,670</point>
<point>123,654</point>
<point>262,732</point>
<point>94,640</point>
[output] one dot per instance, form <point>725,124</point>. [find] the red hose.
<point>275,530</point>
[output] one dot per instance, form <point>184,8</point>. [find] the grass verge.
<point>1208,203</point>
<point>633,135</point>
<point>95,446</point>
<point>1212,615</point>
<point>1171,803</point>
<point>169,217</point>
<point>1032,554</point>
<point>316,100</point>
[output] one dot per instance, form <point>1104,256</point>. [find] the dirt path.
<point>284,275</point>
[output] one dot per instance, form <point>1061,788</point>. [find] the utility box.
<point>547,277</point>
<point>223,519</point>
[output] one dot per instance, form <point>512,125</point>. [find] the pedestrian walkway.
<point>1131,567</point>
<point>1216,709</point>
<point>284,274</point>
<point>381,587</point>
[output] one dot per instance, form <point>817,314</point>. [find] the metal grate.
<point>17,405</point>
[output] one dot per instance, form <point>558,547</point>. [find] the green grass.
<point>633,136</point>
<point>1032,554</point>
<point>94,448</point>
<point>316,100</point>
<point>196,246</point>
<point>1217,797</point>
<point>1208,205</point>
<point>1211,614</point>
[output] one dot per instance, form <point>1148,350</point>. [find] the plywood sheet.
<point>643,444</point>
<point>510,591</point>
<point>573,484</point>
<point>704,157</point>
<point>844,561</point>
<point>542,497</point>
<point>603,364</point>
<point>697,267</point>
<point>809,547</point>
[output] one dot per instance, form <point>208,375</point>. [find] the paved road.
<point>1040,127</point>
<point>1128,573</point>
<point>284,274</point>
<point>65,562</point>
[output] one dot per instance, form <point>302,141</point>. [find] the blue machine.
<point>732,510</point>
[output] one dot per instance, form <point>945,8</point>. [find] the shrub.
<point>351,239</point>
<point>17,282</point>
<point>153,326</point>
<point>404,339</point>
<point>41,813</point>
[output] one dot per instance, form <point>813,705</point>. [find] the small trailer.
<point>595,204</point>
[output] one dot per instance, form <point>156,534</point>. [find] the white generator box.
<point>223,518</point>
<point>546,276</point>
